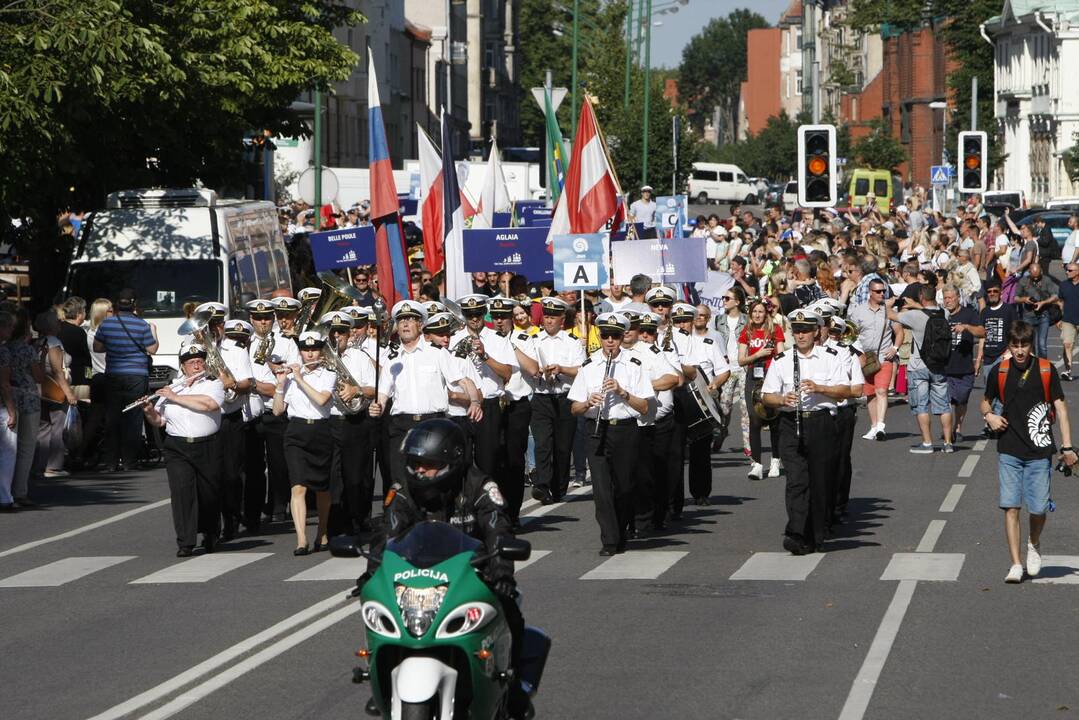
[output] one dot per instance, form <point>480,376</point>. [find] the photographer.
<point>1029,391</point>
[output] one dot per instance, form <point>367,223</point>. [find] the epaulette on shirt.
<point>635,360</point>
<point>708,340</point>
<point>655,349</point>
<point>522,336</point>
<point>853,350</point>
<point>830,350</point>
<point>683,331</point>
<point>586,361</point>
<point>780,355</point>
<point>503,334</point>
<point>392,354</point>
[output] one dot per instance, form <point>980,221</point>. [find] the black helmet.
<point>438,442</point>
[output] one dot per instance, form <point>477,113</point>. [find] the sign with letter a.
<point>580,262</point>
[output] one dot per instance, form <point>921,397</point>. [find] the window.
<point>797,82</point>
<point>798,39</point>
<point>161,286</point>
<point>880,187</point>
<point>861,186</point>
<point>706,175</point>
<point>488,57</point>
<point>726,177</point>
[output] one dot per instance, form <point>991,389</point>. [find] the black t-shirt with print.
<point>961,361</point>
<point>1029,435</point>
<point>997,324</point>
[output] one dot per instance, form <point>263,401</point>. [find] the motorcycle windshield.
<point>429,543</point>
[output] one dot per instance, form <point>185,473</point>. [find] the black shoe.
<point>25,502</point>
<point>676,515</point>
<point>371,709</point>
<point>185,552</point>
<point>703,501</point>
<point>542,494</point>
<point>319,547</point>
<point>608,550</point>
<point>635,534</point>
<point>517,527</point>
<point>658,526</point>
<point>279,517</point>
<point>228,532</point>
<point>620,547</point>
<point>209,543</point>
<point>793,545</point>
<point>253,528</point>
<point>301,551</point>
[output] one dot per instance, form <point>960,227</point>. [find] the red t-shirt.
<point>756,341</point>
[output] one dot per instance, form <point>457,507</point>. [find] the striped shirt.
<point>125,355</point>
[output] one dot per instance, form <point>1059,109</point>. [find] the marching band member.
<point>415,377</point>
<point>248,500</point>
<point>804,383</point>
<point>286,309</point>
<point>238,381</point>
<point>495,362</point>
<point>364,341</point>
<point>191,416</point>
<point>553,426</point>
<point>517,412</point>
<point>303,392</point>
<point>842,337</point>
<point>659,300</point>
<point>437,331</point>
<point>352,479</point>
<point>265,467</point>
<point>612,390</point>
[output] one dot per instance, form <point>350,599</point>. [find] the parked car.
<point>790,195</point>
<point>720,182</point>
<point>1063,204</point>
<point>1055,219</point>
<point>774,194</point>
<point>1015,199</point>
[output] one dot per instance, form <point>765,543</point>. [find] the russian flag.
<point>390,260</point>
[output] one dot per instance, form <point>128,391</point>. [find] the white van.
<point>174,247</point>
<point>718,182</point>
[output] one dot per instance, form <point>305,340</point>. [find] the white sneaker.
<point>774,468</point>
<point>1015,575</point>
<point>872,434</point>
<point>1034,559</point>
<point>756,472</point>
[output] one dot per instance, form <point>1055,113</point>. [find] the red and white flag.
<point>495,196</point>
<point>431,208</point>
<point>590,196</point>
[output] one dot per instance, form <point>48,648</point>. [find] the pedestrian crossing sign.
<point>939,174</point>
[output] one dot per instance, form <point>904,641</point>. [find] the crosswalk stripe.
<point>636,565</point>
<point>201,569</point>
<point>63,571</point>
<point>1059,570</point>
<point>332,569</point>
<point>930,566</point>
<point>777,566</point>
<point>536,555</point>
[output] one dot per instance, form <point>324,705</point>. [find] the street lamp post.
<point>573,80</point>
<point>940,105</point>
<point>629,51</point>
<point>647,87</point>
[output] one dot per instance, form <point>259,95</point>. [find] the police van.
<point>176,249</point>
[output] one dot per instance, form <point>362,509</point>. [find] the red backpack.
<point>1044,367</point>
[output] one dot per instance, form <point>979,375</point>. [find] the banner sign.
<point>678,260</point>
<point>406,205</point>
<point>347,247</point>
<point>671,213</point>
<point>517,250</point>
<point>502,219</point>
<point>713,288</point>
<point>580,262</point>
<point>536,216</point>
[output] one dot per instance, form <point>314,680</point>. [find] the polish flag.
<point>590,196</point>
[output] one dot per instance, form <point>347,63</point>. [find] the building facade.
<point>1036,105</point>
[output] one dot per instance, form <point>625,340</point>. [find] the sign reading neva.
<point>517,250</point>
<point>346,247</point>
<point>580,262</point>
<point>679,260</point>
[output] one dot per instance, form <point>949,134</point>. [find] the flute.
<point>313,363</point>
<point>174,387</point>
<point>603,407</point>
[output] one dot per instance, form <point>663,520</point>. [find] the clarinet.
<point>797,389</point>
<point>603,407</point>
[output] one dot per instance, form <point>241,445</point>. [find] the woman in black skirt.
<point>303,392</point>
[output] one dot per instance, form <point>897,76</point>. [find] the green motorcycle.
<point>438,645</point>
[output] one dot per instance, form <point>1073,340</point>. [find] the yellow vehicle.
<point>880,183</point>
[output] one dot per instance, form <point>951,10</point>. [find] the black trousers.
<point>700,467</point>
<point>675,468</point>
<point>553,427</point>
<point>233,457</point>
<point>644,483</point>
<point>397,426</point>
<point>654,498</point>
<point>612,458</point>
<point>511,477</point>
<point>94,420</point>
<point>487,437</point>
<point>755,423</point>
<point>352,477</point>
<point>194,473</point>
<point>123,431</point>
<point>846,420</point>
<point>271,432</point>
<point>254,490</point>
<point>808,463</point>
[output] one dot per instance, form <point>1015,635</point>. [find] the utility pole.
<point>629,51</point>
<point>317,153</point>
<point>573,80</point>
<point>647,18</point>
<point>974,103</point>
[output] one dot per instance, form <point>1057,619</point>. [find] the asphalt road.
<point>905,615</point>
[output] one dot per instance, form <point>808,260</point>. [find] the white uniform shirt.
<point>700,351</point>
<point>416,379</point>
<point>238,361</point>
<point>181,422</point>
<point>300,404</point>
<point>468,369</point>
<point>499,348</point>
<point>360,367</point>
<point>823,366</point>
<point>630,373</point>
<point>561,349</point>
<point>658,364</point>
<point>284,348</point>
<point>852,365</point>
<point>520,384</point>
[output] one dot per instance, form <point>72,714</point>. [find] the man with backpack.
<point>927,385</point>
<point>1028,390</point>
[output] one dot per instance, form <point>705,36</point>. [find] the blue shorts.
<point>927,392</point>
<point>960,388</point>
<point>1024,482</point>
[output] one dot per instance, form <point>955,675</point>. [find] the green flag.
<point>556,151</point>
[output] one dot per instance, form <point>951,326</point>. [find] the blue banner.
<point>580,262</point>
<point>406,205</point>
<point>680,260</point>
<point>502,220</point>
<point>671,214</point>
<point>347,247</point>
<point>517,250</point>
<point>536,216</point>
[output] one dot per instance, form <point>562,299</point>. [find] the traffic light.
<point>817,176</point>
<point>973,158</point>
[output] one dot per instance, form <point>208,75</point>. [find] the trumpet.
<point>174,387</point>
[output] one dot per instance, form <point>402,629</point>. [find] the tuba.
<point>332,362</point>
<point>198,327</point>
<point>335,294</point>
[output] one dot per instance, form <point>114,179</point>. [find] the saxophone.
<point>264,349</point>
<point>332,362</point>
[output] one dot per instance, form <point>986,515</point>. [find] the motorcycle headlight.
<point>465,619</point>
<point>419,606</point>
<point>379,620</point>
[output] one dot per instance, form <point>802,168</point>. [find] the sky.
<point>669,39</point>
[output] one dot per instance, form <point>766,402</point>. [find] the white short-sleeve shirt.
<point>416,379</point>
<point>630,373</point>
<point>300,404</point>
<point>182,422</point>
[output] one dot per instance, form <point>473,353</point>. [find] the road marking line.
<point>85,528</point>
<point>980,445</point>
<point>1059,570</point>
<point>192,696</point>
<point>63,571</point>
<point>637,565</point>
<point>223,658</point>
<point>930,566</point>
<point>777,566</point>
<point>332,569</point>
<point>200,569</point>
<point>952,498</point>
<point>968,465</point>
<point>931,535</point>
<point>536,555</point>
<point>861,691</point>
<point>544,509</point>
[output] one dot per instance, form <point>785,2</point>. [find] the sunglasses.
<point>872,290</point>
<point>660,303</point>
<point>728,298</point>
<point>611,336</point>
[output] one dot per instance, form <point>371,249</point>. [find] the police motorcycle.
<point>438,645</point>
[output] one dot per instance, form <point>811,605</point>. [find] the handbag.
<point>871,359</point>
